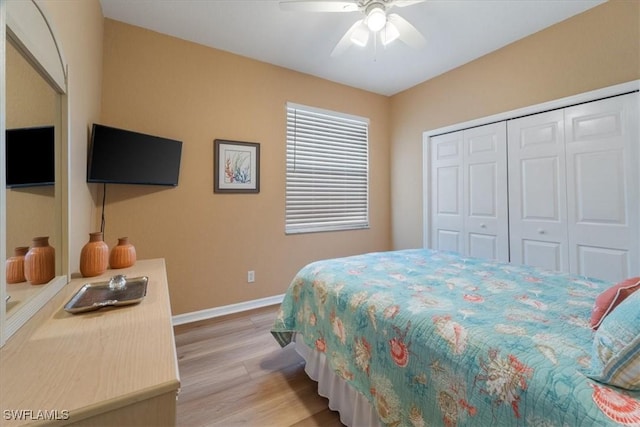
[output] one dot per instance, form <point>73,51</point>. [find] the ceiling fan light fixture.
<point>376,18</point>
<point>389,34</point>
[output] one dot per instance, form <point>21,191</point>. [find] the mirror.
<point>30,210</point>
<point>34,96</point>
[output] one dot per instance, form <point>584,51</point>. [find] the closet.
<point>469,176</point>
<point>556,189</point>
<point>573,188</point>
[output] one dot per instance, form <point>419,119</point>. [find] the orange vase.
<point>123,254</point>
<point>40,262</point>
<point>94,256</point>
<point>15,265</point>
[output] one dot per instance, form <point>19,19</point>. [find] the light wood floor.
<point>234,373</point>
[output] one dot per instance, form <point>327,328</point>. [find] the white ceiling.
<point>456,32</point>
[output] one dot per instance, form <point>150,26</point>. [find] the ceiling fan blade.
<point>408,33</point>
<point>345,41</point>
<point>319,5</point>
<point>405,3</point>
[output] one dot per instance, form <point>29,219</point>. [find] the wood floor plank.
<point>234,373</point>
<point>215,329</point>
<point>324,418</point>
<point>230,347</point>
<point>215,381</point>
<point>273,361</point>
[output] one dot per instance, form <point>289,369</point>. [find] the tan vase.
<point>94,256</point>
<point>15,265</point>
<point>123,254</point>
<point>40,262</point>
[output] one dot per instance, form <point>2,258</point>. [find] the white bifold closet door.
<point>469,192</point>
<point>537,191</point>
<point>447,219</point>
<point>573,189</point>
<point>602,179</point>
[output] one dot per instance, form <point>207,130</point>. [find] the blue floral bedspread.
<point>432,338</point>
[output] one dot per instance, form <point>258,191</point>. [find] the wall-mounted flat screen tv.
<point>122,156</point>
<point>30,156</point>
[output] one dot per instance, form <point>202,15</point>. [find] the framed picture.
<point>236,167</point>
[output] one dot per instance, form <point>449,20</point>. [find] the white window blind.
<point>327,171</point>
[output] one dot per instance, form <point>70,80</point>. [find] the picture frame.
<point>236,166</point>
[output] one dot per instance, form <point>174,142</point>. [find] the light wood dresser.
<point>111,367</point>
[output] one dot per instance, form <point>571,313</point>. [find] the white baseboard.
<point>210,313</point>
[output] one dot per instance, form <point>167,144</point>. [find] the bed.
<point>426,338</point>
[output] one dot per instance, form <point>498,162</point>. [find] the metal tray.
<point>94,296</point>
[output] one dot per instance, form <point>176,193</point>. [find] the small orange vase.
<point>123,254</point>
<point>40,262</point>
<point>94,256</point>
<point>15,265</point>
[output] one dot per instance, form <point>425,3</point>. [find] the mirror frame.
<point>25,23</point>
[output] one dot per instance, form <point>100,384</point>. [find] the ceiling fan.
<point>377,22</point>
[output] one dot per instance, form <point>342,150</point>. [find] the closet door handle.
<point>483,225</point>
<point>541,231</point>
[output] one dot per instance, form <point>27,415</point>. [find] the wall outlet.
<point>251,276</point>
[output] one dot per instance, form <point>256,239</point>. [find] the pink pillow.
<point>609,299</point>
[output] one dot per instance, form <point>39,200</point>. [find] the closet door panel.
<point>600,187</point>
<point>485,192</point>
<point>448,240</point>
<point>602,179</point>
<point>482,246</point>
<point>547,255</point>
<point>603,263</point>
<point>446,189</point>
<point>537,191</point>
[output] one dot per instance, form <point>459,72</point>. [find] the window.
<point>327,171</point>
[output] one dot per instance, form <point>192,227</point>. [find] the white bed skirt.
<point>355,410</point>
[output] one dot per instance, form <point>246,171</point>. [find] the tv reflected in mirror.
<point>30,157</point>
<point>120,156</point>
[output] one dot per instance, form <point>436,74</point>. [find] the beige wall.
<point>598,48</point>
<point>78,26</point>
<point>165,86</point>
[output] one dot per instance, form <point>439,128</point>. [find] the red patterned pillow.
<point>609,299</point>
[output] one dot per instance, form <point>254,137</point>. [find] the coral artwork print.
<point>237,167</point>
